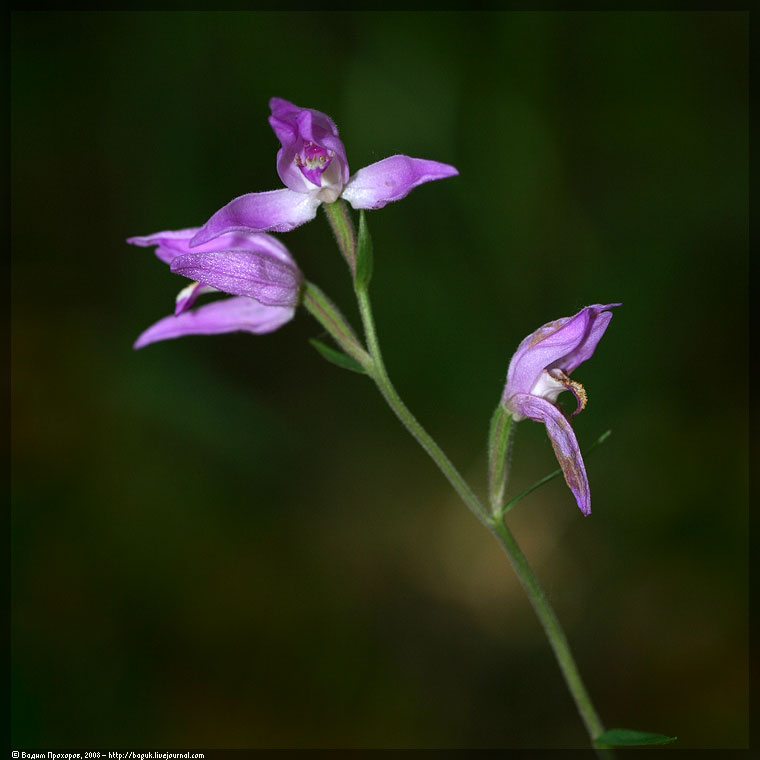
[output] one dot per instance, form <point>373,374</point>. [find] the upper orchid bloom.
<point>253,267</point>
<point>539,372</point>
<point>313,166</point>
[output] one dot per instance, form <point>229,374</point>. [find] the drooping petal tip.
<point>563,441</point>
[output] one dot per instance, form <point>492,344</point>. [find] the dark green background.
<point>228,542</point>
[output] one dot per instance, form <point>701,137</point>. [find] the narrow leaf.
<point>363,255</point>
<point>337,357</point>
<point>625,737</point>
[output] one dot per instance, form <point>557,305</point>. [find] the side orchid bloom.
<point>313,166</point>
<point>257,270</point>
<point>539,371</point>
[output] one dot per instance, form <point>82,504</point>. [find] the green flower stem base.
<point>552,628</point>
<point>501,435</point>
<point>327,314</point>
<point>343,228</point>
<point>380,376</point>
<point>372,362</point>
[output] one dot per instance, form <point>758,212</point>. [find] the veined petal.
<point>276,210</point>
<point>227,315</point>
<point>392,179</point>
<point>563,440</point>
<point>243,273</point>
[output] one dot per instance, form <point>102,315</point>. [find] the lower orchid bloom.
<point>313,166</point>
<point>257,270</point>
<point>540,370</point>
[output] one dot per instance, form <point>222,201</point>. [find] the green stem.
<point>501,434</point>
<point>327,314</point>
<point>383,382</point>
<point>343,228</point>
<point>318,304</point>
<point>553,630</point>
<point>498,527</point>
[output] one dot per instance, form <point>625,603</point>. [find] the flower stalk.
<point>552,628</point>
<point>328,315</point>
<point>260,286</point>
<point>380,375</point>
<point>500,437</point>
<point>340,223</point>
<point>502,432</point>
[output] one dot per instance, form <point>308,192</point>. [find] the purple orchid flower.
<point>539,372</point>
<point>253,267</point>
<point>313,166</point>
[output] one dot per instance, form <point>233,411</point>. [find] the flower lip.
<point>312,160</point>
<point>552,382</point>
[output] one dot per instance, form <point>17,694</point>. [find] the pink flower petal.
<point>392,179</point>
<point>563,441</point>
<point>243,273</point>
<point>228,315</point>
<point>276,210</point>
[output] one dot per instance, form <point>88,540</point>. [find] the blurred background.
<point>226,541</point>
